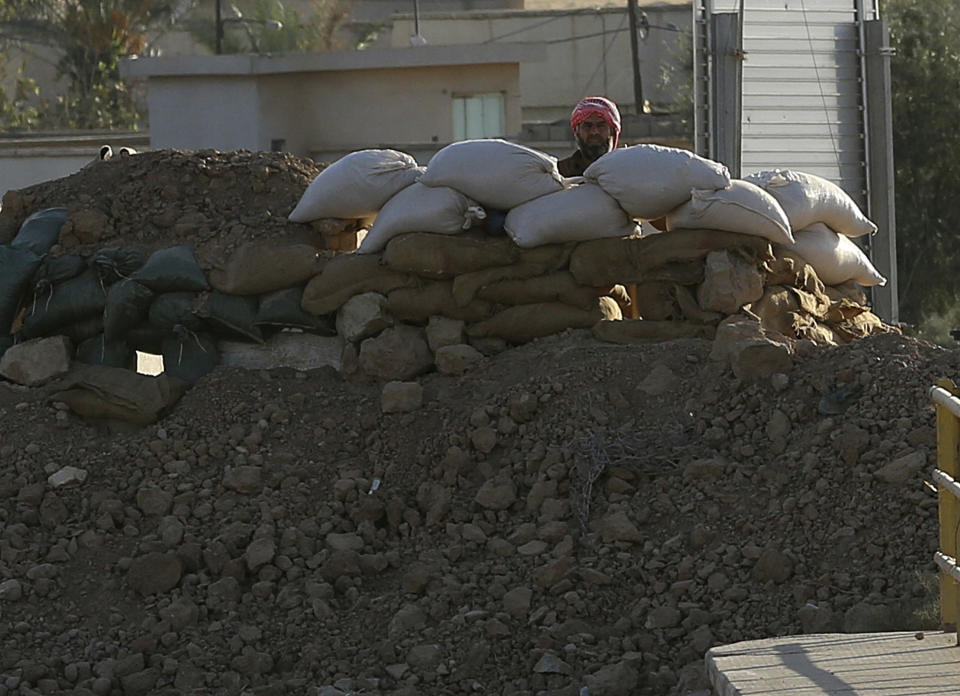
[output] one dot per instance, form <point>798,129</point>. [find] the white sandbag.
<point>808,198</point>
<point>356,185</point>
<point>571,215</point>
<point>497,174</point>
<point>649,181</point>
<point>419,208</point>
<point>743,207</point>
<point>834,257</point>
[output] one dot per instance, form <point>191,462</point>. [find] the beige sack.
<point>554,287</point>
<point>256,268</point>
<point>808,198</point>
<point>440,256</point>
<point>834,257</point>
<point>347,275</point>
<point>495,173</point>
<point>526,322</point>
<point>419,208</point>
<point>571,215</point>
<point>356,185</point>
<point>743,207</point>
<point>649,181</point>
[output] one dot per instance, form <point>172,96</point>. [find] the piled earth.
<point>568,513</point>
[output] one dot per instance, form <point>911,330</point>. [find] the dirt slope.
<point>568,513</point>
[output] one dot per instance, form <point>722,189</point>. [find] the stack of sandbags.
<point>120,300</point>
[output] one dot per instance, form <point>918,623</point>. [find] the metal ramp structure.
<point>804,85</point>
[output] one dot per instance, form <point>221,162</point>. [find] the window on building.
<point>479,116</point>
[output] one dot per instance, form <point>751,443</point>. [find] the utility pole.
<point>219,31</point>
<point>635,52</point>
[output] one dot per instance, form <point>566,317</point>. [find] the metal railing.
<point>946,476</point>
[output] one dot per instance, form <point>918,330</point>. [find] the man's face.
<point>594,137</point>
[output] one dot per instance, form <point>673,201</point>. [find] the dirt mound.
<point>212,200</point>
<point>567,513</point>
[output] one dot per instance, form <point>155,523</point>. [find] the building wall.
<point>323,102</point>
<point>587,51</point>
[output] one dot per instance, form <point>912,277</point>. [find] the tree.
<point>926,143</point>
<point>253,26</point>
<point>90,36</point>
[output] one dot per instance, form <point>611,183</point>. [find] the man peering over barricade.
<point>596,128</point>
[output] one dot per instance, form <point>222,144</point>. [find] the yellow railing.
<point>946,475</point>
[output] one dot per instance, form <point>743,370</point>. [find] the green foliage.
<point>19,111</point>
<point>90,36</point>
<point>926,143</point>
<point>252,27</point>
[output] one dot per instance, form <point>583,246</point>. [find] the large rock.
<point>363,316</point>
<point>902,469</point>
<point>728,283</point>
<point>401,397</point>
<point>34,362</point>
<point>398,353</point>
<point>455,360</point>
<point>300,351</point>
<point>749,349</point>
<point>443,331</point>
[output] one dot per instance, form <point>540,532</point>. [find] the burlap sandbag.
<point>254,269</point>
<point>655,300</point>
<point>865,324</point>
<point>98,391</point>
<point>775,308</point>
<point>607,261</point>
<point>641,330</point>
<point>347,275</point>
<point>850,290</point>
<point>553,287</point>
<point>433,299</point>
<point>531,262</point>
<point>526,322</point>
<point>689,309</point>
<point>439,256</point>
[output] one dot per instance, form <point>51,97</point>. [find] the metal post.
<point>727,84</point>
<point>635,53</point>
<point>219,30</point>
<point>948,440</point>
<point>880,172</point>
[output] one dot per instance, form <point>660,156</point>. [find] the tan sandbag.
<point>256,268</point>
<point>641,330</point>
<point>439,256</point>
<point>101,392</point>
<point>603,261</point>
<point>655,300</point>
<point>865,324</point>
<point>418,304</point>
<point>774,309</point>
<point>531,262</point>
<point>553,287</point>
<point>850,290</point>
<point>347,275</point>
<point>821,334</point>
<point>526,322</point>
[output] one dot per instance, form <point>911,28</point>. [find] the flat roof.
<point>371,59</point>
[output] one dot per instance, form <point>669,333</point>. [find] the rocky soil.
<point>567,514</point>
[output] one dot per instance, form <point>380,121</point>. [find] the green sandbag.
<point>80,331</point>
<point>188,355</point>
<point>172,270</point>
<point>233,315</point>
<point>282,310</point>
<point>173,308</point>
<point>55,270</point>
<point>147,338</point>
<point>128,304</point>
<point>98,351</point>
<point>40,231</point>
<point>67,303</point>
<point>113,263</point>
<point>17,267</point>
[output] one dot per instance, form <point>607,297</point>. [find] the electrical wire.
<point>606,50</point>
<point>613,31</point>
<point>527,28</point>
<point>823,98</point>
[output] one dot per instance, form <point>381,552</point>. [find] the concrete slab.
<point>904,663</point>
